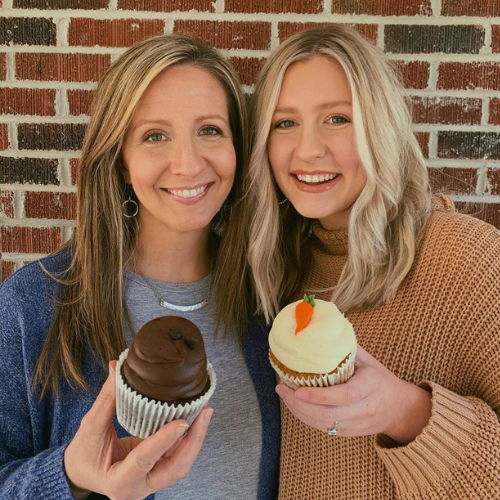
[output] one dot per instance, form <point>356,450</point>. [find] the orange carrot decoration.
<point>304,312</point>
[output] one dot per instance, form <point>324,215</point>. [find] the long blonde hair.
<point>386,221</point>
<point>90,312</point>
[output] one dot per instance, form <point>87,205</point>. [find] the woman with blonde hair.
<point>158,232</point>
<point>342,209</point>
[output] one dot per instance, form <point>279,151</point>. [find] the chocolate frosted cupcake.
<point>164,375</point>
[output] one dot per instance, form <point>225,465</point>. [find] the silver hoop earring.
<point>282,202</point>
<point>127,208</point>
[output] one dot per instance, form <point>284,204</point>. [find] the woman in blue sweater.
<point>159,230</point>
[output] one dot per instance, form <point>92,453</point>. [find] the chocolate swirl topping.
<point>167,361</point>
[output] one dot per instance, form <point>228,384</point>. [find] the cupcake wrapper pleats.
<point>342,374</point>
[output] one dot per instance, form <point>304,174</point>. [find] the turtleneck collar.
<point>331,242</point>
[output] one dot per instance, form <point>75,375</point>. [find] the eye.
<point>210,130</point>
<point>285,124</point>
<point>154,137</point>
<point>338,120</point>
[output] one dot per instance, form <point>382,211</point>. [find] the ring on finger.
<point>334,430</point>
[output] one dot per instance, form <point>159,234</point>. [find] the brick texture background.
<point>52,52</point>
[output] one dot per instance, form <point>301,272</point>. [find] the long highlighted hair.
<point>90,313</point>
<point>386,221</point>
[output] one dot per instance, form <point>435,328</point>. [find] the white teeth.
<point>316,178</point>
<point>188,193</point>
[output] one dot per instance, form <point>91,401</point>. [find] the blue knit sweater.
<point>34,434</point>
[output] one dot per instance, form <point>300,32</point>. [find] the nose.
<point>310,146</point>
<point>185,158</point>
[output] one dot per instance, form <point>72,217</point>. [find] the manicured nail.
<point>208,415</point>
<point>181,430</point>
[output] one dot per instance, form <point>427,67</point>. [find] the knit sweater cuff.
<point>438,449</point>
<point>51,476</point>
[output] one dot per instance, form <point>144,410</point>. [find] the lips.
<point>188,192</point>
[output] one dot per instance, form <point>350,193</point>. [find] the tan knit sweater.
<point>442,331</point>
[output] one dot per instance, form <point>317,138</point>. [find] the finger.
<point>179,464</point>
<point>143,458</point>
<point>102,411</point>
<point>348,393</point>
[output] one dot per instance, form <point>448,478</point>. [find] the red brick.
<point>383,7</point>
<point>29,239</point>
<point>80,101</point>
<point>228,34</point>
<point>247,68</point>
<point>41,171</point>
<point>489,212</point>
<point>40,102</point>
<point>469,145</point>
<point>3,67</point>
<point>494,111</point>
<point>480,8</point>
<point>112,33</point>
<point>73,165</point>
<point>275,6</point>
<point>493,179</point>
<point>412,74</point>
<point>286,30</point>
<point>167,5</point>
<point>469,76</point>
<point>4,137</point>
<point>425,39</point>
<point>61,67</point>
<point>495,38</point>
<point>6,269</point>
<point>48,205</point>
<point>61,4</point>
<point>453,180</point>
<point>48,136</point>
<point>423,141</point>
<point>6,203</point>
<point>445,110</point>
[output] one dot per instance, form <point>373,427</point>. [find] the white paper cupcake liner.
<point>341,375</point>
<point>141,416</point>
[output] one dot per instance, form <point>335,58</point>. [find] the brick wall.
<point>53,51</point>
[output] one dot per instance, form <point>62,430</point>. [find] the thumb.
<point>362,356</point>
<point>102,411</point>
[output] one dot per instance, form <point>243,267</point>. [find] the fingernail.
<point>208,416</point>
<point>181,430</point>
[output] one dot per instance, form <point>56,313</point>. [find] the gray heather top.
<point>228,464</point>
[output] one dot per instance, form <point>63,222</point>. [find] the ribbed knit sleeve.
<point>41,476</point>
<point>457,455</point>
<point>23,474</point>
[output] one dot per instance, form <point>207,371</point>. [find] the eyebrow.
<point>319,107</point>
<point>162,121</point>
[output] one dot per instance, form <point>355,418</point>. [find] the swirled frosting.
<point>320,347</point>
<point>167,360</point>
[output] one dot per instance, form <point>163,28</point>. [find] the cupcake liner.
<point>342,374</point>
<point>141,416</point>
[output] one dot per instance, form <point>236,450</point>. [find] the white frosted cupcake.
<point>312,344</point>
<point>164,376</point>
